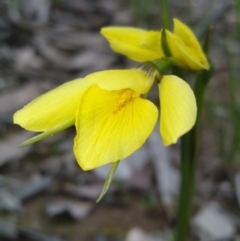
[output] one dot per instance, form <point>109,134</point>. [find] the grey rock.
<point>89,191</point>
<point>76,209</point>
<point>137,234</point>
<point>34,187</point>
<point>213,222</point>
<point>31,12</point>
<point>9,202</point>
<point>9,150</point>
<point>8,230</point>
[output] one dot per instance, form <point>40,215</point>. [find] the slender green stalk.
<point>237,11</point>
<point>189,149</point>
<point>164,14</point>
<point>184,207</point>
<point>233,91</point>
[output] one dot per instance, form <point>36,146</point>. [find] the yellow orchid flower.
<point>141,45</point>
<point>111,116</point>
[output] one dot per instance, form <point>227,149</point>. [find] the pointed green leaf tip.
<point>48,133</point>
<point>108,180</point>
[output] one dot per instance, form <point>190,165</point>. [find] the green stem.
<point>189,149</point>
<point>233,91</point>
<point>184,207</point>
<point>164,14</point>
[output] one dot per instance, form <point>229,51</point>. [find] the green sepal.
<point>166,65</point>
<point>163,65</point>
<point>48,133</point>
<point>108,180</point>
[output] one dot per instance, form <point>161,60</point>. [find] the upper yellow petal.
<point>51,108</point>
<point>129,35</point>
<point>111,125</point>
<point>185,47</point>
<point>186,34</point>
<point>152,40</point>
<point>178,108</point>
<point>137,44</point>
<point>186,55</point>
<point>135,79</point>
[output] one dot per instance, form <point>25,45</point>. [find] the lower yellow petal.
<point>178,108</point>
<point>111,125</point>
<point>137,44</point>
<point>51,108</point>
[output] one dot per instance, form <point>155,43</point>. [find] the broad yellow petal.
<point>111,125</point>
<point>51,108</point>
<point>135,79</point>
<point>137,44</point>
<point>178,108</point>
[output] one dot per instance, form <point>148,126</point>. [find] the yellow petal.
<point>135,79</point>
<point>178,108</point>
<point>186,34</point>
<point>111,125</point>
<point>51,108</point>
<point>152,40</point>
<point>190,40</point>
<point>186,55</point>
<point>137,44</point>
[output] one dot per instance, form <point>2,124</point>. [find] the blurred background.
<point>44,195</point>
